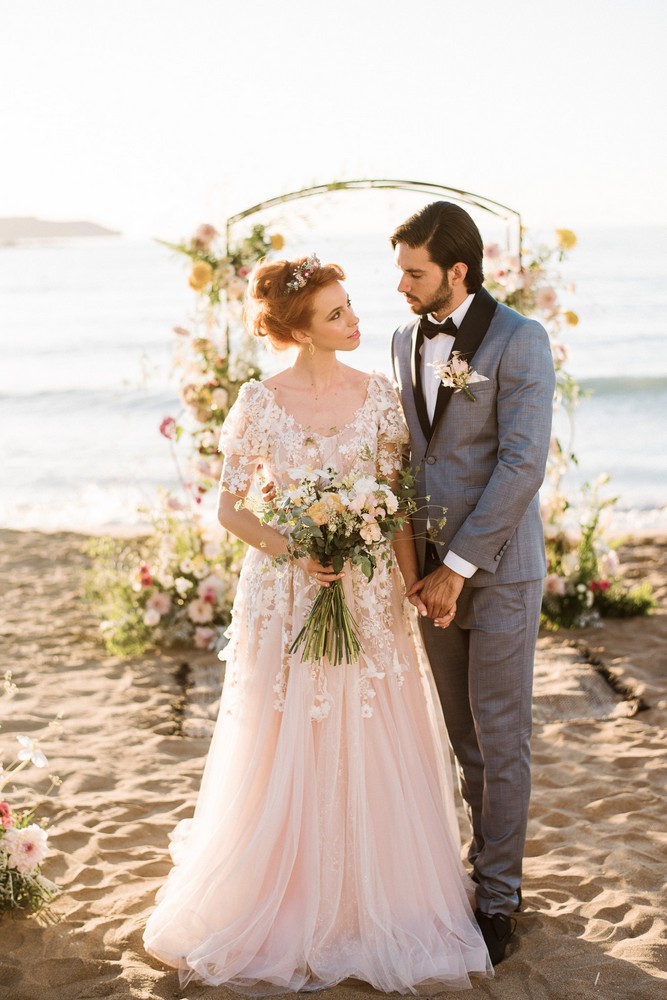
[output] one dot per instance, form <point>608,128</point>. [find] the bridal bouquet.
<point>336,519</point>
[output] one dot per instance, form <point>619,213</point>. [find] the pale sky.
<point>153,115</point>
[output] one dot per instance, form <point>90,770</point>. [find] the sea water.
<point>85,369</point>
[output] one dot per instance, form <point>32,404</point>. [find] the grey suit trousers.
<point>483,669</point>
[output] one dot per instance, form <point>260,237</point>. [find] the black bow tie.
<point>431,330</point>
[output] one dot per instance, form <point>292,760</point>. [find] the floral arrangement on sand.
<point>23,840</point>
<point>582,584</point>
<point>176,585</point>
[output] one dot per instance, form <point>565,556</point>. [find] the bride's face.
<point>334,326</point>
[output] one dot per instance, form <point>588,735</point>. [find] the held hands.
<point>443,622</point>
<point>437,594</point>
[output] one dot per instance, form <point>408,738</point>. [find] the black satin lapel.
<point>418,392</point>
<point>471,334</point>
<point>475,324</point>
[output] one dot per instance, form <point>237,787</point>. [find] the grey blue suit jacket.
<point>484,460</point>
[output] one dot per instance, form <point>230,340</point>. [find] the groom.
<point>483,458</point>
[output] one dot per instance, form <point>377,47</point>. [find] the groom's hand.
<point>439,591</point>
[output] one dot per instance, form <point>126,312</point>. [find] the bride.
<point>324,843</point>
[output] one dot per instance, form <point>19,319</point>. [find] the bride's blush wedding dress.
<point>324,843</point>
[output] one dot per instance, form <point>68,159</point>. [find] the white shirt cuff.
<point>459,565</point>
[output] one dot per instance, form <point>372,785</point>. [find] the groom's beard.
<point>439,303</point>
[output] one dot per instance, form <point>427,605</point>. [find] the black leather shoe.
<point>496,931</point>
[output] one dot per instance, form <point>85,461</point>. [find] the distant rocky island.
<point>15,230</point>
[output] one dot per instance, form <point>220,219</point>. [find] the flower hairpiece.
<point>302,273</point>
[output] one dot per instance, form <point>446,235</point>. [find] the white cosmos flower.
<point>31,752</point>
<point>182,585</point>
<point>200,568</point>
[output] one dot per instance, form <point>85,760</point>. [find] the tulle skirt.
<point>322,847</point>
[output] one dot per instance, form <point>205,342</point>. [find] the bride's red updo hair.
<point>273,311</point>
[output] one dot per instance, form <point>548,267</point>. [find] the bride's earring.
<point>311,349</point>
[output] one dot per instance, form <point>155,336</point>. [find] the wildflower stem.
<point>329,629</point>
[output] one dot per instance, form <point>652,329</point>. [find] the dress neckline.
<point>309,430</point>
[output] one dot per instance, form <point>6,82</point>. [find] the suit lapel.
<point>417,390</point>
<point>471,334</point>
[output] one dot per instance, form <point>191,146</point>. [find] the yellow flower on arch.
<point>277,241</point>
<point>200,275</point>
<point>571,318</point>
<point>566,239</point>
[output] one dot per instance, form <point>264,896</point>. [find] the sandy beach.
<point>593,922</point>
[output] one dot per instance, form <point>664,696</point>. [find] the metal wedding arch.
<point>510,216</point>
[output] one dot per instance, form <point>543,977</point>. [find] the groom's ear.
<point>457,273</point>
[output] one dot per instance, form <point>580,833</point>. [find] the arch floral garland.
<point>179,585</point>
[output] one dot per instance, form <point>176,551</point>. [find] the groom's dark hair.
<point>449,235</point>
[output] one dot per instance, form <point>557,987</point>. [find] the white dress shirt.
<point>438,349</point>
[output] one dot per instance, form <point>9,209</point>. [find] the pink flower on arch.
<point>168,428</point>
<point>545,298</point>
<point>203,236</point>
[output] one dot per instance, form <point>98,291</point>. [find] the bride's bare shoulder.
<point>278,381</point>
<point>355,375</point>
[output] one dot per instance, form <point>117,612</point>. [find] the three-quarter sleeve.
<point>243,440</point>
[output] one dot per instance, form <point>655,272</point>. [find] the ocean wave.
<point>65,400</point>
<point>619,385</point>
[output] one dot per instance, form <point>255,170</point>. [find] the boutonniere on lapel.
<point>457,374</point>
